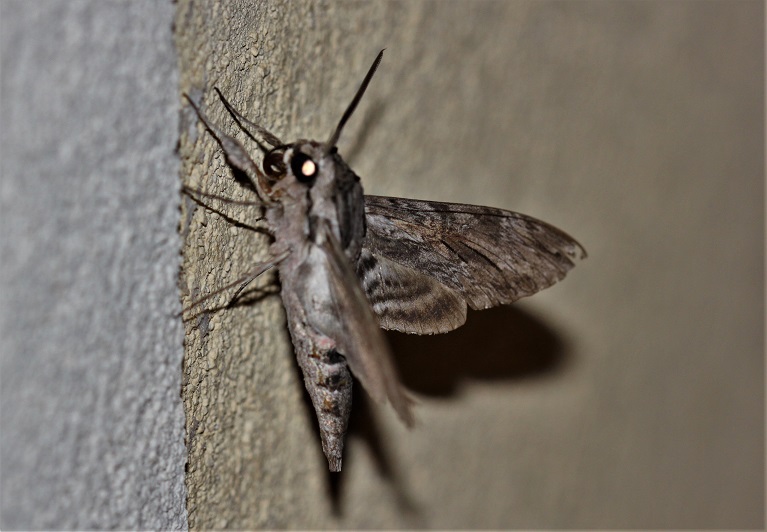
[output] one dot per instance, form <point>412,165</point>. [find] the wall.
<point>630,395</point>
<point>91,425</point>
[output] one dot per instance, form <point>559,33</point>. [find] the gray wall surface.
<point>631,395</point>
<point>92,422</point>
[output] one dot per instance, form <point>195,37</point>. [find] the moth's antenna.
<point>239,119</point>
<point>357,97</point>
<point>236,155</point>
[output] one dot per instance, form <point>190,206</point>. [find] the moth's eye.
<point>304,168</point>
<point>274,166</point>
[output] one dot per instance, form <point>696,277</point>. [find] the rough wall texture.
<point>631,395</point>
<point>91,433</point>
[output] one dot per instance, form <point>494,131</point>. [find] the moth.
<point>351,264</point>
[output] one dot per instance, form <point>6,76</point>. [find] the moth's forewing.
<point>489,256</point>
<point>359,336</point>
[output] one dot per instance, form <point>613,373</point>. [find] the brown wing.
<point>486,256</point>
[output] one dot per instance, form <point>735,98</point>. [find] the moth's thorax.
<point>332,196</point>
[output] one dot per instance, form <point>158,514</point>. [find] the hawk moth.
<point>350,264</point>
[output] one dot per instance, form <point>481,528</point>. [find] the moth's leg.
<point>252,277</point>
<point>192,193</point>
<point>243,281</point>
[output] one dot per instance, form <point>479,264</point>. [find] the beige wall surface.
<point>629,395</point>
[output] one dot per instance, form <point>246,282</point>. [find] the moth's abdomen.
<point>329,383</point>
<point>314,325</point>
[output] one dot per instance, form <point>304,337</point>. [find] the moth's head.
<point>290,169</point>
<point>300,166</point>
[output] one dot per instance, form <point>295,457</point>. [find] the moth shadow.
<point>502,343</point>
<point>373,114</point>
<point>365,426</point>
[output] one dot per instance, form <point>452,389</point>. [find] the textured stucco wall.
<point>91,427</point>
<point>631,395</point>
